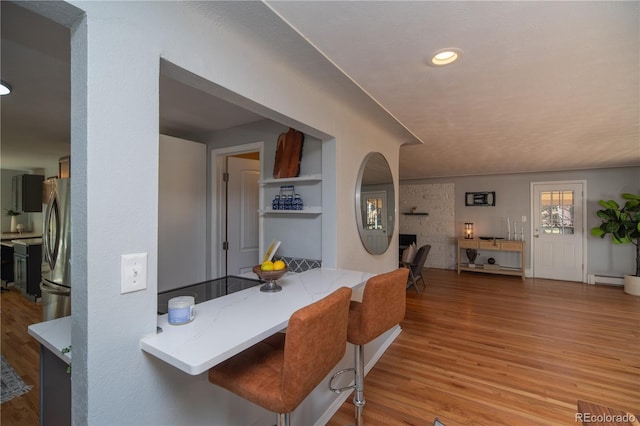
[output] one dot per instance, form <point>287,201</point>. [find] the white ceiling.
<point>541,86</point>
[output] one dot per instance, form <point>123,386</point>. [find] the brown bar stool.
<point>383,306</point>
<point>279,372</point>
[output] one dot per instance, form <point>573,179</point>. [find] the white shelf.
<point>305,178</point>
<point>305,211</point>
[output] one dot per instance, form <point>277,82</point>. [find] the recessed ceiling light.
<point>5,88</point>
<point>445,56</point>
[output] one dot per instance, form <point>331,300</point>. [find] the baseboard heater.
<point>605,279</point>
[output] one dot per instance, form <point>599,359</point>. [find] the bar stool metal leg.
<point>383,306</point>
<point>284,419</point>
<point>358,398</point>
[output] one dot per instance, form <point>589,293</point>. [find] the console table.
<point>492,245</point>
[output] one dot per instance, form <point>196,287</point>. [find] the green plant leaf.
<point>612,227</point>
<point>609,204</point>
<point>628,196</point>
<point>622,223</point>
<point>604,214</point>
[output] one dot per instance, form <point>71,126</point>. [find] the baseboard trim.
<point>605,279</point>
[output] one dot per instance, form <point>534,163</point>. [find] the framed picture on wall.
<point>480,198</point>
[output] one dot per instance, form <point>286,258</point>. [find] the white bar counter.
<point>54,335</point>
<point>227,325</point>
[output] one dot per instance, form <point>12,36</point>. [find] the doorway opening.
<point>235,201</point>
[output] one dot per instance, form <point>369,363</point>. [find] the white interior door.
<point>243,196</point>
<point>558,234</point>
<point>374,204</point>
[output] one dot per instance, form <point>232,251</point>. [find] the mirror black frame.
<point>371,159</point>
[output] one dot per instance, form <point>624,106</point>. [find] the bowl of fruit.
<point>270,272</point>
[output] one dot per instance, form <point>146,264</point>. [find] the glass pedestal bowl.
<point>270,277</point>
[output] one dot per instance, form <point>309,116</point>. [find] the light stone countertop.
<point>224,326</point>
<point>227,325</point>
<point>8,236</point>
<point>55,335</point>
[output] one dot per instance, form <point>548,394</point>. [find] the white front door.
<point>558,234</point>
<point>374,204</point>
<point>242,214</point>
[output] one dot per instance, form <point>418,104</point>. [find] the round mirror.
<point>375,203</point>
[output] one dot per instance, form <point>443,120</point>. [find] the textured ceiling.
<point>541,86</point>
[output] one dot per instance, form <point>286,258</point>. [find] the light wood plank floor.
<point>475,350</point>
<point>23,353</point>
<point>489,350</point>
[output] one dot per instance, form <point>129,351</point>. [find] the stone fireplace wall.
<point>438,228</point>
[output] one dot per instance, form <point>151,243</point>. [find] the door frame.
<point>217,204</point>
<point>533,214</point>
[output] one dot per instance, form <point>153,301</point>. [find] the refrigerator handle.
<point>45,231</point>
<point>53,290</point>
<point>51,214</point>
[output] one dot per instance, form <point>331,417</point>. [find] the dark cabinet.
<point>20,272</point>
<point>6,273</point>
<point>55,389</point>
<point>26,268</point>
<point>27,193</point>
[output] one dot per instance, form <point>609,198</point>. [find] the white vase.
<point>632,285</point>
<point>14,223</point>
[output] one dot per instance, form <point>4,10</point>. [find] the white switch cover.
<point>524,219</point>
<point>133,272</point>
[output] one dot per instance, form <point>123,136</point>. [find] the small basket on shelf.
<point>270,277</point>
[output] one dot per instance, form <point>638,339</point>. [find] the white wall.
<point>182,213</point>
<point>116,51</point>
<point>513,200</point>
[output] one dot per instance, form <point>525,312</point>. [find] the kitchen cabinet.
<point>492,245</point>
<point>308,186</point>
<point>26,193</point>
<point>27,262</point>
<point>55,389</point>
<point>64,167</point>
<point>55,376</point>
<point>6,274</point>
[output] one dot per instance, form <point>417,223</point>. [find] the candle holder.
<point>468,230</point>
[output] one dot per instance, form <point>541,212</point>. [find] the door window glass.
<point>557,212</point>
<point>374,213</point>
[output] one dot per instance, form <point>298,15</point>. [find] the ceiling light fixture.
<point>445,56</point>
<point>5,88</point>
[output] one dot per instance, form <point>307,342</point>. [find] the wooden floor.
<point>23,353</point>
<point>489,350</point>
<point>475,350</point>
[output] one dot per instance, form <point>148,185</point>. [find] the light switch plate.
<point>133,272</point>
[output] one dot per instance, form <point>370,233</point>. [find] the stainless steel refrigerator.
<point>56,250</point>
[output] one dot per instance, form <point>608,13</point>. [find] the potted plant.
<point>14,219</point>
<point>623,224</point>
